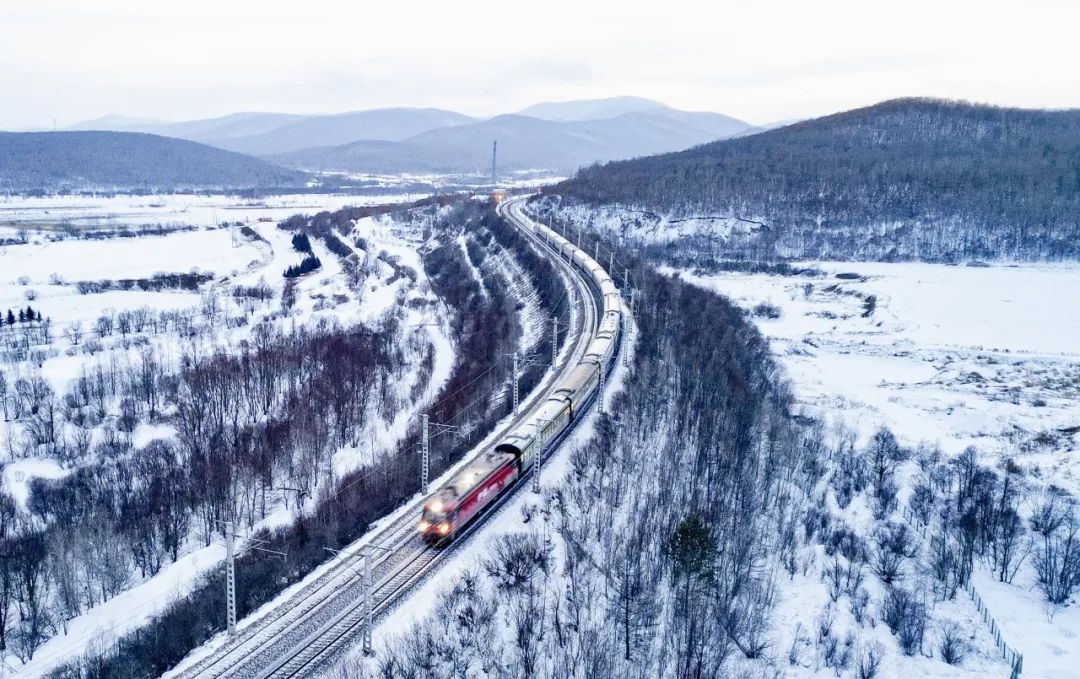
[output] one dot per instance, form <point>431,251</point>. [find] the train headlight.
<point>444,527</point>
<point>424,525</point>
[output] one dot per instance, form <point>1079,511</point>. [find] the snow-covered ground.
<point>89,211</point>
<point>956,356</point>
<point>78,260</point>
<point>48,269</point>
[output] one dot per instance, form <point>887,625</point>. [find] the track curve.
<point>294,638</point>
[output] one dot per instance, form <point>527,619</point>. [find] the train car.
<point>476,485</point>
<point>579,384</point>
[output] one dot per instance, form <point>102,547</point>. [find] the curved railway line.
<point>322,617</point>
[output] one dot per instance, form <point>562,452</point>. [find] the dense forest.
<point>909,179</point>
<point>53,161</point>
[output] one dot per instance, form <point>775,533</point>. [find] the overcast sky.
<point>759,60</point>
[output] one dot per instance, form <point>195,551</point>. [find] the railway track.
<point>320,619</point>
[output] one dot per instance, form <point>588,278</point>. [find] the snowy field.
<point>953,356</point>
<point>77,260</point>
<point>17,212</point>
<point>43,273</point>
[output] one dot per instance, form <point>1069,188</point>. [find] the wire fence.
<point>1010,654</point>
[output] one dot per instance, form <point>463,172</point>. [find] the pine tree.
<point>10,318</point>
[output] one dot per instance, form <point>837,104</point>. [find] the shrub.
<point>767,310</point>
<point>952,646</point>
<point>905,616</point>
<point>869,661</point>
<point>1057,564</point>
<point>842,540</point>
<point>893,545</point>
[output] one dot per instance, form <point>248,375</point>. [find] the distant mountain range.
<point>551,136</point>
<point>908,179</point>
<point>126,161</point>
<point>525,143</point>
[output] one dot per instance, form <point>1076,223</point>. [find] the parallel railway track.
<point>321,618</point>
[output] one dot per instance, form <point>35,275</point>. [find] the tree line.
<point>909,179</point>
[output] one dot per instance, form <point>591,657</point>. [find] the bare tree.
<point>74,333</point>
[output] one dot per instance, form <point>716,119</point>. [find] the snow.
<point>18,474</point>
<point>64,304</point>
<point>114,258</point>
<point>957,355</point>
<point>984,356</point>
<point>322,294</point>
<point>100,627</point>
<point>17,212</point>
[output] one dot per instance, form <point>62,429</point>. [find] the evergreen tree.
<point>693,548</point>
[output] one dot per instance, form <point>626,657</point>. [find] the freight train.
<point>476,485</point>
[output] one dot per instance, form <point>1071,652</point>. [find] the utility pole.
<point>596,251</point>
<point>611,263</point>
<point>425,455</point>
<point>494,148</point>
<point>516,376</point>
<point>539,455</point>
<point>230,578</point>
<point>367,562</point>
<point>367,583</point>
<point>230,568</point>
<point>554,340</point>
<point>603,385</point>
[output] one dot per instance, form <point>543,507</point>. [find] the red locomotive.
<point>456,503</point>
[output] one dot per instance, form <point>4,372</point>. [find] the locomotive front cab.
<point>436,524</point>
